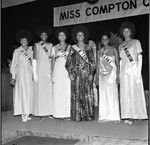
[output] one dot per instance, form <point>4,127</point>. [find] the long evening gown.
<point>82,99</point>
<point>62,85</point>
<point>132,97</point>
<point>108,89</point>
<point>43,89</point>
<point>21,69</point>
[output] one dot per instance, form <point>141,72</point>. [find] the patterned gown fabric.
<point>108,89</point>
<point>21,69</point>
<point>62,85</point>
<point>133,103</point>
<point>42,101</point>
<point>82,99</point>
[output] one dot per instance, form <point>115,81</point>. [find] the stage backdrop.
<point>102,10</point>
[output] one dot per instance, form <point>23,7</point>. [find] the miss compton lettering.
<point>104,9</point>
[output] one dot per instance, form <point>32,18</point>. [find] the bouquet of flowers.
<point>115,40</point>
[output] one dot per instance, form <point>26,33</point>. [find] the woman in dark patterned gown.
<point>80,66</point>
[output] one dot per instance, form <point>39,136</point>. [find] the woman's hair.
<point>77,29</point>
<point>64,30</point>
<point>23,34</point>
<point>128,25</point>
<point>106,34</point>
<point>43,29</point>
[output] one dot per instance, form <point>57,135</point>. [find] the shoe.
<point>42,119</point>
<point>126,121</point>
<point>24,119</point>
<point>50,117</point>
<point>29,118</point>
<point>130,122</point>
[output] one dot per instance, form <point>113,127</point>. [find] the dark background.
<point>31,15</point>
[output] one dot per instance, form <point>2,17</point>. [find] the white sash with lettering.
<point>26,55</point>
<point>128,53</point>
<point>46,51</point>
<point>133,69</point>
<point>63,52</point>
<point>105,64</point>
<point>82,54</point>
<point>106,58</point>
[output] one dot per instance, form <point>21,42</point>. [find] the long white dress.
<point>43,89</point>
<point>132,96</point>
<point>21,70</point>
<point>108,90</point>
<point>62,85</point>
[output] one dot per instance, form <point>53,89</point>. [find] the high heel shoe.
<point>128,122</point>
<point>24,118</point>
<point>29,118</point>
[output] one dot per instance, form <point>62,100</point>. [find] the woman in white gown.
<point>42,70</point>
<point>62,85</point>
<point>108,79</point>
<point>21,70</point>
<point>133,105</point>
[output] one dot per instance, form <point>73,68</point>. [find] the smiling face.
<point>105,40</point>
<point>44,36</point>
<point>80,36</point>
<point>127,33</point>
<point>24,42</point>
<point>61,36</point>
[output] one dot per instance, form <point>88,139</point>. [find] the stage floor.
<point>13,126</point>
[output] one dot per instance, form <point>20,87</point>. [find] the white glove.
<point>34,70</point>
<point>120,63</point>
<point>139,67</point>
<point>139,62</point>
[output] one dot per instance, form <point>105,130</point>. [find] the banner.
<point>102,10</point>
<point>10,3</point>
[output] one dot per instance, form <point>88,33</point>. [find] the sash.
<point>26,55</point>
<point>106,58</point>
<point>127,53</point>
<point>82,54</point>
<point>46,51</point>
<point>63,52</point>
<point>105,66</point>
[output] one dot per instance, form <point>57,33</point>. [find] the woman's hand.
<point>90,77</point>
<point>71,77</point>
<point>12,82</point>
<point>96,81</point>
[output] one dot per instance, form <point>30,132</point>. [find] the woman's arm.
<point>116,59</point>
<point>139,55</point>
<point>34,63</point>
<point>69,64</point>
<point>53,54</point>
<point>97,67</point>
<point>117,64</point>
<point>14,64</point>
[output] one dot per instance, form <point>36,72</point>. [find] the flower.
<point>115,40</point>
